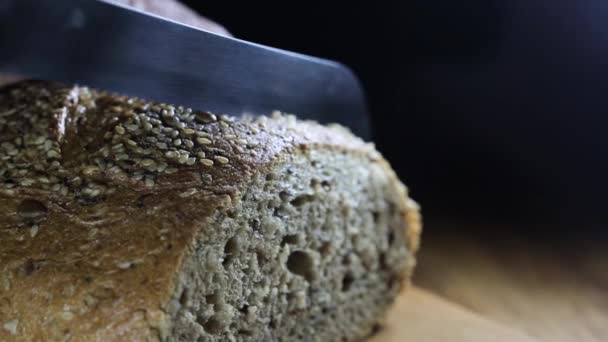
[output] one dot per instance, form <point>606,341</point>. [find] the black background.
<point>489,110</point>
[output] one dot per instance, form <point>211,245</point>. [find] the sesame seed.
<point>116,109</point>
<point>188,193</point>
<point>149,182</point>
<point>171,170</point>
<point>188,143</point>
<point>34,230</point>
<point>177,142</point>
<point>120,130</point>
<point>89,170</point>
<point>162,167</point>
<point>205,117</point>
<point>124,265</point>
<point>191,161</point>
<point>114,169</point>
<point>91,192</point>
<point>51,154</point>
<point>105,152</point>
<point>183,158</point>
<point>118,147</point>
<point>203,141</point>
<point>202,134</point>
<point>26,182</point>
<point>137,177</point>
<point>131,128</point>
<point>241,141</point>
<point>148,162</point>
<point>162,145</point>
<point>207,162</point>
<point>39,141</point>
<point>189,131</point>
<point>171,154</point>
<point>222,160</point>
<point>230,136</point>
<point>131,142</point>
<point>200,154</point>
<point>224,124</point>
<point>11,326</point>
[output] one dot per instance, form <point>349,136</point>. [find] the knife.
<point>117,48</point>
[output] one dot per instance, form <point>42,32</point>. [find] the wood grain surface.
<point>551,288</point>
<point>422,316</point>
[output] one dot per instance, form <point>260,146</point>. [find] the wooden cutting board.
<point>492,279</point>
<point>419,315</point>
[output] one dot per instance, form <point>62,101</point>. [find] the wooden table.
<point>494,284</point>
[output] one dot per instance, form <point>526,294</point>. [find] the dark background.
<point>489,110</point>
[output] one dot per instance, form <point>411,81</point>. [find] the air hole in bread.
<point>325,249</point>
<point>231,249</point>
<point>302,199</point>
<point>347,282</point>
<point>213,326</point>
<point>261,258</point>
<point>255,224</point>
<point>289,239</point>
<point>301,263</point>
<point>326,185</point>
<point>184,298</point>
<point>390,237</point>
<point>245,333</point>
<point>376,217</point>
<point>213,298</point>
<point>284,196</point>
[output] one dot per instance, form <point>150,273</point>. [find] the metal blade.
<point>107,46</point>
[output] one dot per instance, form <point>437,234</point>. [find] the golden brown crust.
<point>93,234</point>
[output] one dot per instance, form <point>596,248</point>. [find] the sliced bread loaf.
<point>122,219</point>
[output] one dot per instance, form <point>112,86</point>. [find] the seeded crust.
<point>105,201</point>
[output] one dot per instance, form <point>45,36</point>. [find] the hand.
<point>171,9</point>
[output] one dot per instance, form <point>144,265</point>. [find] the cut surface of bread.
<point>122,219</point>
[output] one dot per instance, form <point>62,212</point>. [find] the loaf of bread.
<point>122,219</point>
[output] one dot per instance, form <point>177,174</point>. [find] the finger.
<point>177,11</point>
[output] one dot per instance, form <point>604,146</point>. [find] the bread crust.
<point>91,252</point>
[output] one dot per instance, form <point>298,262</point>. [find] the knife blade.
<point>117,48</point>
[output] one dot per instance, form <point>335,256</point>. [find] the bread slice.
<point>122,219</point>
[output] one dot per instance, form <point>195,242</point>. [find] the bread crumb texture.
<point>124,219</point>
